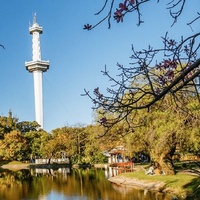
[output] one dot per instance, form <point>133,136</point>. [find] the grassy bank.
<point>180,184</point>
<point>186,182</point>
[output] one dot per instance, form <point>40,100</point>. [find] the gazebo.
<point>116,155</point>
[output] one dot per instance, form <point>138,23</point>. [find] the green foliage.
<point>14,146</point>
<point>167,128</point>
<point>26,126</point>
<point>81,144</point>
<point>36,140</point>
<point>98,157</point>
<point>7,124</point>
<point>54,146</point>
<point>164,131</point>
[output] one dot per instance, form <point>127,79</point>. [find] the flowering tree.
<point>175,8</point>
<point>148,80</point>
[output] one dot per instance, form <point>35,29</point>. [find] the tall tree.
<point>7,124</point>
<point>36,140</point>
<point>14,146</point>
<point>167,129</point>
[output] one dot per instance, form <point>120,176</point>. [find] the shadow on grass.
<point>187,164</point>
<point>194,187</point>
<point>4,162</point>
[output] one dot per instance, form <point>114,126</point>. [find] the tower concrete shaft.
<point>37,67</point>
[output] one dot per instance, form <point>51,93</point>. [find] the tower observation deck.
<point>37,66</point>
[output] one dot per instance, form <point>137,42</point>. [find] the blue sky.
<point>76,56</point>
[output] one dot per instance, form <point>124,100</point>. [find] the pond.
<point>67,184</point>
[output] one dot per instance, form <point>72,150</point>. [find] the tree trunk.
<point>167,166</point>
<point>164,163</point>
<point>49,160</point>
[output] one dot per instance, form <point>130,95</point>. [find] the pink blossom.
<point>131,1</point>
<point>118,16</point>
<point>171,42</point>
<point>103,120</point>
<point>123,7</point>
<point>170,74</point>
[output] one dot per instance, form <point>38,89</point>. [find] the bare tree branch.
<point>2,46</point>
<point>147,80</point>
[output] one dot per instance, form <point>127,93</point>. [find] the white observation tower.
<point>37,67</point>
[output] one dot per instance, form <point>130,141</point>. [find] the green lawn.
<point>183,183</point>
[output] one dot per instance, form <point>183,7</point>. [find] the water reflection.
<point>65,183</point>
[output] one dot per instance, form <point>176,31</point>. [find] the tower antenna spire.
<point>34,18</point>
